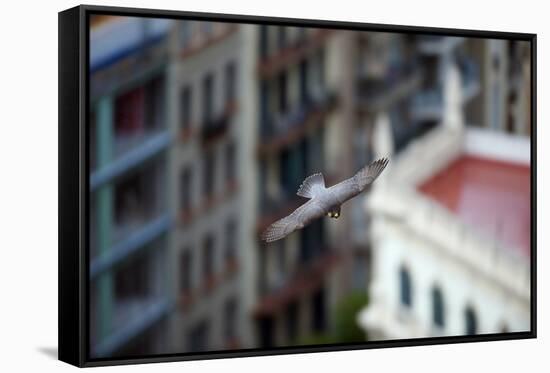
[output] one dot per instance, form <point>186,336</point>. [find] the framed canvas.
<point>233,186</point>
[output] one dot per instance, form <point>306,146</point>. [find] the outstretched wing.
<point>351,187</point>
<point>302,216</point>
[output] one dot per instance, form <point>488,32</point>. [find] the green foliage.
<point>345,328</point>
<point>345,318</point>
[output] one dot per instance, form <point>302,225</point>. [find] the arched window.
<point>470,321</point>
<point>438,309</point>
<point>405,289</point>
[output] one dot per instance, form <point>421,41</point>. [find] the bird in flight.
<point>322,200</point>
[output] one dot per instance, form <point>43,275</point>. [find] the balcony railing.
<point>217,126</point>
<point>427,104</point>
<point>145,148</point>
<point>130,319</point>
<point>277,131</point>
<point>126,50</point>
<point>137,239</point>
<point>375,94</point>
<point>292,53</point>
<point>295,284</point>
<point>434,44</point>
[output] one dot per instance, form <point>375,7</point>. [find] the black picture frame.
<point>73,181</point>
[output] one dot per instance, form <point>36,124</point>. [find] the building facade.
<point>450,231</point>
<point>129,215</point>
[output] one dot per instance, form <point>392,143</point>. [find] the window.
<point>185,271</point>
<point>470,321</point>
<point>198,338</point>
<point>136,199</point>
<point>292,321</point>
<point>209,173</point>
<point>140,109</point>
<point>282,97</point>
<point>132,280</point>
<point>230,318</point>
<point>185,34</point>
<point>154,103</point>
<point>185,189</point>
<point>282,37</point>
<point>319,321</point>
<point>230,82</point>
<point>304,93</point>
<point>185,105</point>
<point>405,290</point>
<point>230,162</point>
<point>264,45</point>
<point>207,99</point>
<point>230,240</point>
<point>266,326</point>
<point>264,109</point>
<point>129,112</point>
<point>208,259</point>
<point>321,68</point>
<point>438,310</point>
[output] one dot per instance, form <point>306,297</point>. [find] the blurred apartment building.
<point>451,217</point>
<point>130,218</point>
<point>208,107</point>
<point>302,128</point>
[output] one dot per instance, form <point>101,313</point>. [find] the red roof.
<point>491,195</point>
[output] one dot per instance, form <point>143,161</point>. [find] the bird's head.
<point>334,212</point>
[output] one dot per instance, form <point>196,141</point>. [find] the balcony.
<point>298,284</point>
<point>292,54</point>
<point>375,94</point>
<point>130,319</point>
<point>437,45</point>
<point>279,131</point>
<point>427,104</point>
<point>123,50</point>
<point>134,240</point>
<point>131,152</point>
<point>198,44</point>
<point>215,128</point>
<point>191,214</point>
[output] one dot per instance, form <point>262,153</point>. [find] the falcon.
<point>322,200</point>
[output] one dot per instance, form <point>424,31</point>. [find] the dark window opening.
<point>208,99</point>
<point>209,173</point>
<point>470,321</point>
<point>438,309</point>
<point>208,259</point>
<point>185,271</point>
<point>185,189</point>
<point>198,338</point>
<point>230,318</point>
<point>282,92</point>
<point>230,162</point>
<point>319,317</point>
<point>186,104</point>
<point>405,290</point>
<point>230,82</point>
<point>292,322</point>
